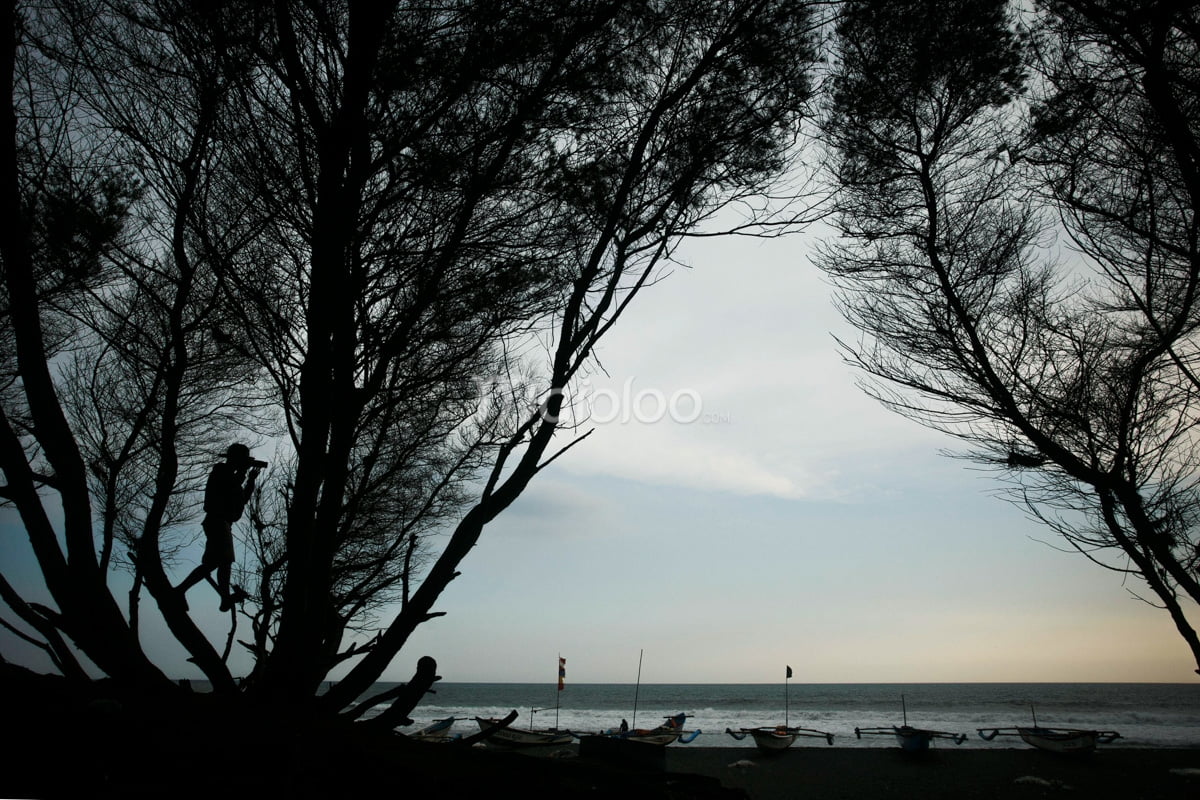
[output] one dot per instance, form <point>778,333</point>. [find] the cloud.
<point>782,424</point>
<point>662,455</point>
<point>726,378</point>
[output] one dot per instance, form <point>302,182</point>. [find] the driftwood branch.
<point>403,698</point>
<point>488,731</point>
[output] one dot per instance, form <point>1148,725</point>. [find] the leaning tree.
<point>967,147</point>
<point>382,237</point>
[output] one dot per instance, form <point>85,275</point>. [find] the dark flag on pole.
<point>789,672</point>
<point>562,672</point>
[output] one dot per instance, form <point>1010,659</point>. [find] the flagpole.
<point>562,671</point>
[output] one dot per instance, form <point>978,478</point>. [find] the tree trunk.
<point>89,613</point>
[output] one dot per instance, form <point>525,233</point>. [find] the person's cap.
<point>237,452</point>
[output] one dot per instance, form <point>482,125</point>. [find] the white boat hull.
<point>438,731</point>
<point>1059,741</point>
<point>516,737</point>
<point>774,738</point>
<point>653,738</point>
<point>1054,740</point>
<point>772,741</point>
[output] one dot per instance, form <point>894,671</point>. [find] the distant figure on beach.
<point>229,487</point>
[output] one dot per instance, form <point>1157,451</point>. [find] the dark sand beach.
<point>881,774</point>
<point>355,769</point>
<point>60,747</point>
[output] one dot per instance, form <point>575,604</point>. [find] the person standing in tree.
<point>229,487</point>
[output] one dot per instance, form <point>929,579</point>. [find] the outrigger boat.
<point>436,731</point>
<point>1054,740</point>
<point>772,739</point>
<point>670,731</point>
<point>517,737</point>
<point>499,734</point>
<point>910,739</point>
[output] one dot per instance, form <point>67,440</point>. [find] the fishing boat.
<point>520,737</point>
<point>1054,740</point>
<point>670,731</point>
<point>910,739</point>
<point>772,739</point>
<point>436,731</point>
<point>500,734</point>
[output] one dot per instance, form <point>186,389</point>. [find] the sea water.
<point>1146,715</point>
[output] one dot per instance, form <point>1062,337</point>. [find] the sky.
<point>792,521</point>
<point>743,506</point>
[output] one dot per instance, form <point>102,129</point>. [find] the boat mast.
<point>637,687</point>
<point>786,675</point>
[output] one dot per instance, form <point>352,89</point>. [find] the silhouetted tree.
<point>369,217</point>
<point>1076,376</point>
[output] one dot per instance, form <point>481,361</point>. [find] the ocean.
<point>1151,715</point>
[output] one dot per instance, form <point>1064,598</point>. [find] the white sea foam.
<point>1146,715</point>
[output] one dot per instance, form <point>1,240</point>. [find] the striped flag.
<point>562,672</point>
